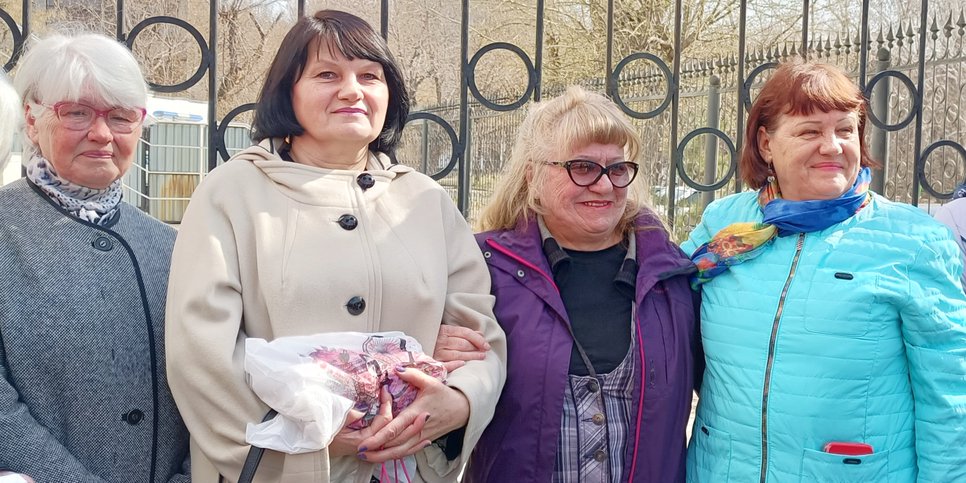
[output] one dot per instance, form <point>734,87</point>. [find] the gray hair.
<point>68,68</point>
<point>10,117</point>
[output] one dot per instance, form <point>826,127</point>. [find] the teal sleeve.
<point>934,332</point>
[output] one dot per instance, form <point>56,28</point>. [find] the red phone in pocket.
<point>847,448</point>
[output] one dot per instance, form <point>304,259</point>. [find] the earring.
<point>288,139</point>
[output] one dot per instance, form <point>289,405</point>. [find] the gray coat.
<point>83,391</point>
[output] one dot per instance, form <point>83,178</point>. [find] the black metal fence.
<point>689,109</point>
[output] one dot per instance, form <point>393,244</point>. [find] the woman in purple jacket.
<point>595,302</point>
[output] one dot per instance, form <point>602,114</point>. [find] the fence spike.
<point>934,28</point>
<point>962,21</point>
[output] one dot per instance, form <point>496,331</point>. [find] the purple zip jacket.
<point>520,443</point>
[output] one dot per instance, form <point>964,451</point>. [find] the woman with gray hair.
<point>83,392</point>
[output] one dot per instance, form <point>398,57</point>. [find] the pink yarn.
<point>359,375</point>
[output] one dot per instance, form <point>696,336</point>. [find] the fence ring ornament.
<point>746,87</point>
<point>205,57</point>
<point>17,40</point>
<point>223,127</point>
<point>679,159</point>
<point>913,92</point>
<point>921,165</point>
<point>454,142</point>
<point>471,76</point>
<point>617,94</point>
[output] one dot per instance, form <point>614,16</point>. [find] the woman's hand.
<point>347,441</point>
<point>455,345</point>
<point>437,410</point>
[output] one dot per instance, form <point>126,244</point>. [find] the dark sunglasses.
<point>585,173</point>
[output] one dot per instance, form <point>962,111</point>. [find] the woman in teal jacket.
<point>832,319</point>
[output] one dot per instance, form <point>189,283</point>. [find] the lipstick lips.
<point>351,110</point>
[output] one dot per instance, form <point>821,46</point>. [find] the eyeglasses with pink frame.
<point>78,116</point>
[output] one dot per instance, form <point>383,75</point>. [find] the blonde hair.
<point>554,128</point>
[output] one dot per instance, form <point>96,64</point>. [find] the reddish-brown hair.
<point>798,88</point>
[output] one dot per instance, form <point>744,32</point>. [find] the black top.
<point>599,311</point>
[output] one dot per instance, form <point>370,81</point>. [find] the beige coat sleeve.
<point>205,344</point>
<point>468,304</point>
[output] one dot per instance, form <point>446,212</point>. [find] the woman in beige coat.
<point>314,230</point>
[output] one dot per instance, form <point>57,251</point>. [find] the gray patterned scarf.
<point>88,204</point>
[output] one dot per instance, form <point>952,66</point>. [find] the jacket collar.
<point>659,257</point>
<point>655,256</point>
<point>523,240</point>
<point>317,186</point>
<point>558,258</point>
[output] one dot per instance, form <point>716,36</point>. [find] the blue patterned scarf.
<point>88,204</point>
<point>740,242</point>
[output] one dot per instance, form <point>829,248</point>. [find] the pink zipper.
<point>527,264</point>
<point>640,407</point>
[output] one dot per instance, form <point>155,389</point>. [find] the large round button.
<point>356,305</point>
<point>348,222</point>
<point>134,417</point>
<point>593,386</point>
<point>600,455</point>
<point>598,419</point>
<point>103,243</point>
<point>365,181</point>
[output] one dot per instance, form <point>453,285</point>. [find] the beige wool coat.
<point>270,248</point>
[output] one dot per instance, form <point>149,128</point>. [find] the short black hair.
<point>355,39</point>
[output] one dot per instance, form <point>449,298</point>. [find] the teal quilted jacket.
<point>856,333</point>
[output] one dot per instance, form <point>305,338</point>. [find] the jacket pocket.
<point>840,302</point>
<point>821,467</point>
<point>709,455</point>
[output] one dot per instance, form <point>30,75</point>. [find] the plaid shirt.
<point>594,427</point>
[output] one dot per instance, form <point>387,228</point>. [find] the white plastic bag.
<point>313,381</point>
